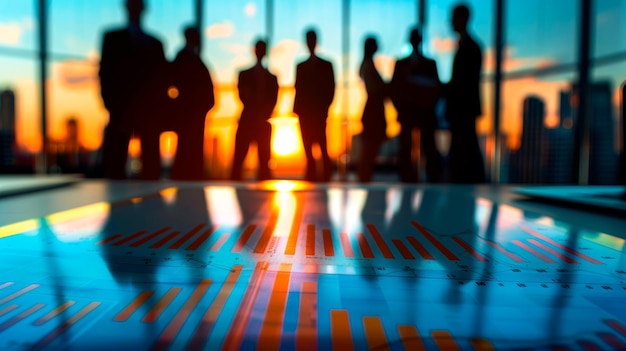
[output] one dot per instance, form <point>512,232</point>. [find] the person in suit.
<point>258,91</point>
<point>195,99</point>
<point>315,90</point>
<point>129,59</point>
<point>463,104</point>
<point>373,119</point>
<point>415,88</point>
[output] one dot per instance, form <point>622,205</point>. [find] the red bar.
<point>186,237</point>
<point>310,240</point>
<point>533,251</point>
<point>150,237</point>
<point>261,246</point>
<point>382,245</point>
<point>242,317</point>
<point>66,325</point>
<point>366,250</point>
<point>612,340</point>
<point>306,334</point>
<point>11,322</point>
<point>163,241</point>
<point>218,244</point>
<point>18,293</point>
<point>7,309</point>
<point>5,285</point>
<point>55,312</point>
<point>449,255</point>
<point>169,334</point>
<point>210,316</point>
<point>129,238</point>
<point>243,239</point>
<point>469,249</point>
<point>133,306</point>
<point>562,247</point>
<point>345,244</point>
<point>272,326</point>
<point>159,307</point>
<point>563,257</point>
<point>292,241</point>
<point>404,251</point>
<point>589,346</point>
<point>109,239</point>
<point>420,249</point>
<point>616,325</point>
<point>340,331</point>
<point>196,244</point>
<point>329,249</point>
<point>509,254</point>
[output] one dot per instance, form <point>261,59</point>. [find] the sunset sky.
<point>538,34</point>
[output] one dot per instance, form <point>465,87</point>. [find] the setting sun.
<point>285,135</point>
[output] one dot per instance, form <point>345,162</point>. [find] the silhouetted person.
<point>129,58</point>
<point>195,99</point>
<point>258,91</point>
<point>463,105</point>
<point>415,89</point>
<point>315,89</point>
<point>373,119</point>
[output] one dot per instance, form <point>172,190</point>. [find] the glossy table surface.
<point>288,265</point>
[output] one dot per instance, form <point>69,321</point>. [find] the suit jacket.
<point>463,90</point>
<point>258,91</point>
<point>315,88</point>
<point>415,88</point>
<point>126,65</point>
<point>193,80</point>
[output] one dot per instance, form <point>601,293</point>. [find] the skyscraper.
<point>7,130</point>
<point>528,161</point>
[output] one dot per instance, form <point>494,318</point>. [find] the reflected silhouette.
<point>130,58</point>
<point>373,118</point>
<point>315,89</point>
<point>463,104</point>
<point>258,91</point>
<point>415,90</point>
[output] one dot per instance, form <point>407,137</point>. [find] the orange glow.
<point>134,147</point>
<point>172,92</point>
<point>285,135</point>
<point>168,146</point>
<point>284,185</point>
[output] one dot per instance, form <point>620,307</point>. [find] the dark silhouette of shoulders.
<point>315,86</point>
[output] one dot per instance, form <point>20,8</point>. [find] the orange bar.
<point>261,246</point>
<point>272,326</point>
<point>292,241</point>
<point>242,317</point>
<point>444,250</point>
<point>366,250</point>
<point>410,338</point>
<point>164,241</point>
<point>11,322</point>
<point>129,238</point>
<point>340,332</point>
<point>562,247</point>
<point>210,316</point>
<point>306,334</point>
<point>420,249</point>
<point>509,254</point>
<point>482,345</point>
<point>404,251</point>
<point>5,285</point>
<point>616,325</point>
<point>329,249</point>
<point>170,332</point>
<point>196,244</point>
<point>66,325</point>
<point>469,249</point>
<point>555,253</point>
<point>345,244</point>
<point>8,309</point>
<point>375,334</point>
<point>160,306</point>
<point>109,239</point>
<point>218,244</point>
<point>382,245</point>
<point>150,237</point>
<point>444,340</point>
<point>55,312</point>
<point>132,307</point>
<point>19,293</point>
<point>310,240</point>
<point>186,237</point>
<point>243,239</point>
<point>533,251</point>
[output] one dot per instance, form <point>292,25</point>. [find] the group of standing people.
<point>146,95</point>
<point>415,89</point>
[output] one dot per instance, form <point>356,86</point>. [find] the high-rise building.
<point>7,130</point>
<point>527,162</point>
<point>559,144</point>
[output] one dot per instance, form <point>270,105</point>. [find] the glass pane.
<point>610,31</point>
<point>18,26</point>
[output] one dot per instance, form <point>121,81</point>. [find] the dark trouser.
<point>428,148</point>
<point>115,151</point>
<point>370,146</point>
<point>466,159</point>
<point>189,161</point>
<point>315,133</point>
<point>260,133</point>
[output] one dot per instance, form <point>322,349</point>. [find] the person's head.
<point>192,37</point>
<point>134,9</point>
<point>460,17</point>
<point>415,38</point>
<point>260,49</point>
<point>370,46</point>
<point>311,40</point>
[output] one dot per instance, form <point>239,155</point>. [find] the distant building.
<point>559,143</point>
<point>7,130</point>
<point>528,161</point>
